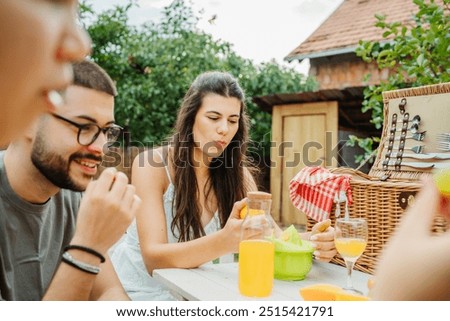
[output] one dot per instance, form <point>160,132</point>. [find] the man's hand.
<point>108,207</point>
<point>415,263</point>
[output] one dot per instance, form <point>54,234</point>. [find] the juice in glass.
<point>256,267</point>
<point>350,248</point>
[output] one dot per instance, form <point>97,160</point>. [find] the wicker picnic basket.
<point>382,196</point>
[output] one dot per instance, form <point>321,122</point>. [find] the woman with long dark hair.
<point>192,189</point>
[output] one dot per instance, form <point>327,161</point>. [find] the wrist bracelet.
<point>85,267</point>
<point>85,249</point>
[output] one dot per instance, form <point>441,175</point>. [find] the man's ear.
<point>31,131</point>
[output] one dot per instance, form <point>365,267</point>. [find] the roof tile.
<point>352,21</point>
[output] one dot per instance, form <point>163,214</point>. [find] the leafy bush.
<point>154,64</point>
<point>417,52</point>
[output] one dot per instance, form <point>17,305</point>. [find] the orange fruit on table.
<point>319,292</point>
<point>328,292</point>
<point>345,296</point>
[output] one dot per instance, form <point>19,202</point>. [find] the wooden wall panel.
<point>302,135</point>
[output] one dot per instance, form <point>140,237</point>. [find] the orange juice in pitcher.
<point>256,250</point>
<point>256,267</point>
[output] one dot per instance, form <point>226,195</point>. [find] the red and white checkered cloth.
<point>314,189</point>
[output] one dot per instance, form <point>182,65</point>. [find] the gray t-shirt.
<point>32,238</point>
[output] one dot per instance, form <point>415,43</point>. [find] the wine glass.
<point>350,239</point>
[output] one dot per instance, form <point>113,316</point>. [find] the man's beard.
<point>55,168</point>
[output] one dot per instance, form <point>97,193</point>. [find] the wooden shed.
<point>311,128</point>
<point>331,47</point>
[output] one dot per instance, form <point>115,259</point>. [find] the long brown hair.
<point>226,172</point>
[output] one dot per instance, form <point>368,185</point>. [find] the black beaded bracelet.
<point>85,249</point>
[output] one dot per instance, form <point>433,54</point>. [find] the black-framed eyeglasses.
<point>88,133</point>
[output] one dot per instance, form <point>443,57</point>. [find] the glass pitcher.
<point>256,250</point>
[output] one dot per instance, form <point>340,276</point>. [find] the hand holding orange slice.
<point>321,226</point>
<point>251,212</point>
<point>243,212</point>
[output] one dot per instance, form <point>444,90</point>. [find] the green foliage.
<point>154,64</point>
<point>366,144</point>
<point>417,52</point>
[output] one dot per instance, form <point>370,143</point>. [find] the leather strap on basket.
<point>391,139</point>
<point>393,125</point>
<point>402,106</point>
<point>403,133</point>
<point>404,125</point>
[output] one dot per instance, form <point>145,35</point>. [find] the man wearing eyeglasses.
<point>53,244</point>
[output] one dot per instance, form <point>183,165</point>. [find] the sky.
<point>260,30</point>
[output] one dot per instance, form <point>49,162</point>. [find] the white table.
<point>219,282</point>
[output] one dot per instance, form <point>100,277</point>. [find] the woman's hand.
<point>108,207</point>
<point>232,228</point>
<point>323,241</point>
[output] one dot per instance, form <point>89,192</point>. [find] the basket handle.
<point>367,159</point>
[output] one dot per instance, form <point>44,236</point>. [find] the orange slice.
<point>345,296</point>
<point>320,292</point>
<point>251,212</point>
<point>328,292</point>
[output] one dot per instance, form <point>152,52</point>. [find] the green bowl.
<point>291,265</point>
